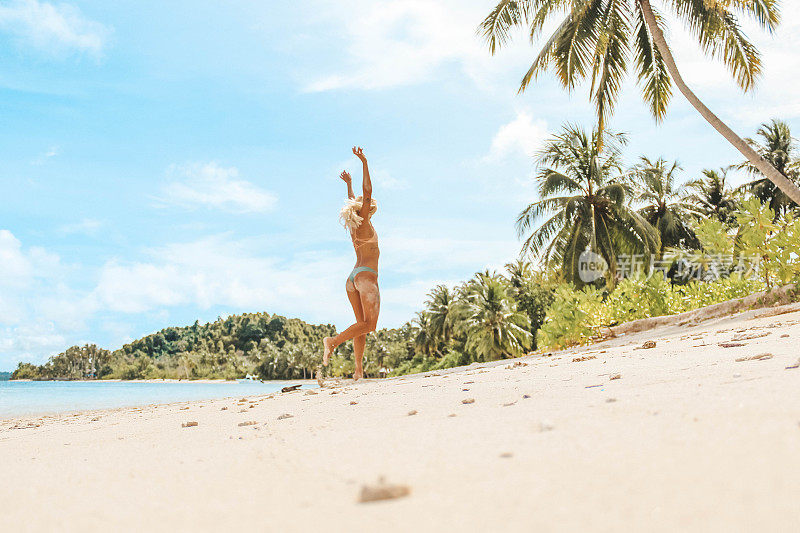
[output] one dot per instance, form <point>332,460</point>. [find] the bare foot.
<point>358,374</point>
<point>327,342</point>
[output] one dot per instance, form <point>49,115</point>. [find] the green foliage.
<point>569,319</point>
<point>76,362</point>
<point>579,315</point>
<point>775,241</point>
<point>714,237</point>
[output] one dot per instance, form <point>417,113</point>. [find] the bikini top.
<point>358,243</point>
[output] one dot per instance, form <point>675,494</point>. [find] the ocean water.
<point>39,397</point>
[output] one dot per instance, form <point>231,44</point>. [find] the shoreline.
<point>134,403</point>
<point>164,380</point>
<point>699,432</point>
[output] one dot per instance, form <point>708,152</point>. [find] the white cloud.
<point>401,42</point>
<point>53,28</point>
<point>210,185</point>
<point>86,226</point>
<point>35,307</point>
<point>522,136</point>
<point>219,271</point>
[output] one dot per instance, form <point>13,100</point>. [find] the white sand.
<point>687,439</point>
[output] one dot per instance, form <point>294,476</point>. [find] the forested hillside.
<point>269,346</point>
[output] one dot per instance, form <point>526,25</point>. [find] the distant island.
<point>5,376</point>
<point>253,344</point>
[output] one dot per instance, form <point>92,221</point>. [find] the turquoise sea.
<point>39,397</point>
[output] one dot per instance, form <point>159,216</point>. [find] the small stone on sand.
<point>526,396</point>
<point>224,409</point>
<point>412,412</point>
<point>451,415</point>
<point>353,403</point>
<point>284,416</point>
<point>248,423</point>
<point>468,400</point>
<point>189,425</point>
<point>382,491</point>
<point>648,344</point>
<point>291,388</point>
<point>615,376</point>
<point>506,455</point>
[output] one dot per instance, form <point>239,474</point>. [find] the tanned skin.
<point>363,292</point>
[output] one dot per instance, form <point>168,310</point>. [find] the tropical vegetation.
<point>701,242</point>
<point>604,39</point>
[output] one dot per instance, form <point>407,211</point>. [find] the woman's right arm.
<point>346,178</point>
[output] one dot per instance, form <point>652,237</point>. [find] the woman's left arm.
<point>367,182</point>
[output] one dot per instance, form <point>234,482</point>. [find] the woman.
<point>362,284</point>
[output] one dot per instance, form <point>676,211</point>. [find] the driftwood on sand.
<point>777,296</point>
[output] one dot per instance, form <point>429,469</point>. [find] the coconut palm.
<point>665,204</point>
<point>603,39</point>
<point>713,197</point>
<point>439,308</point>
<point>583,201</point>
<point>425,340</point>
<point>778,147</point>
<point>519,273</point>
<point>490,321</point>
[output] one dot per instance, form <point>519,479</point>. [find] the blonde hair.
<point>349,214</point>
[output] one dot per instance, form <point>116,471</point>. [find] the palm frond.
<point>506,15</point>
<point>652,74</point>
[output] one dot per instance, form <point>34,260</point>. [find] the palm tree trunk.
<point>770,172</point>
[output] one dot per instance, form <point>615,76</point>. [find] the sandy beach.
<point>694,434</point>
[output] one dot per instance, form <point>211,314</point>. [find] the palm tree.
<point>519,273</point>
<point>712,197</point>
<point>424,338</point>
<point>583,199</point>
<point>777,147</point>
<point>665,202</point>
<point>490,321</point>
<point>439,308</point>
<point>601,37</point>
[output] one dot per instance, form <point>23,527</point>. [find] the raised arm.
<point>366,182</point>
<point>346,178</point>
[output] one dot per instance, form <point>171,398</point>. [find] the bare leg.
<point>358,351</point>
<point>366,289</point>
<point>355,303</point>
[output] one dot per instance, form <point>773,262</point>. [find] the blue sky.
<point>165,162</point>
